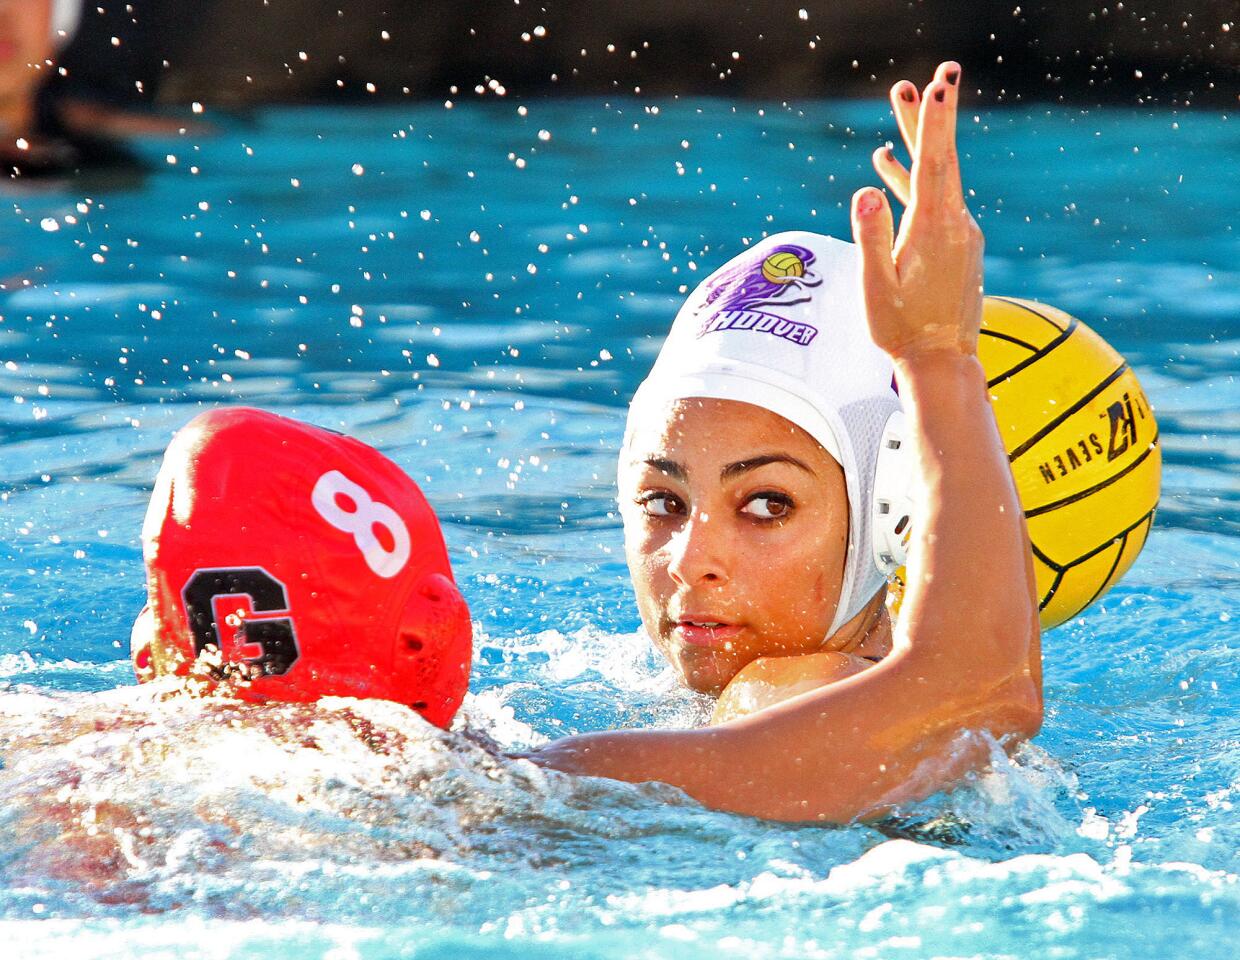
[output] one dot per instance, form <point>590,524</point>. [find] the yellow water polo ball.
<point>1083,444</point>
<point>783,266</point>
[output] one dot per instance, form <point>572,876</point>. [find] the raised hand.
<point>905,103</point>
<point>923,288</point>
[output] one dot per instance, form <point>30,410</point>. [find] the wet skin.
<point>736,532</point>
<point>736,529</point>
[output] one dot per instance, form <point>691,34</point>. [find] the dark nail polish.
<point>938,94</point>
<point>953,76</point>
<point>868,203</point>
<point>906,95</point>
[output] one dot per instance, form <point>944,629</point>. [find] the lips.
<point>702,630</point>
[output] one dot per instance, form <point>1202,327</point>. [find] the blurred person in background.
<point>71,91</point>
<point>31,33</point>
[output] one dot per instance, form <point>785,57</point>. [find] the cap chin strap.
<point>892,510</point>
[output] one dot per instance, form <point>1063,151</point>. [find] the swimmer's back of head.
<point>306,562</point>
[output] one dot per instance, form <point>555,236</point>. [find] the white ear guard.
<point>892,510</point>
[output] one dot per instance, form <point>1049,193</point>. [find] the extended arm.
<point>967,653</point>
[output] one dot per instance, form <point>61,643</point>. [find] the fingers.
<point>904,104</point>
<point>936,170</point>
<point>892,172</point>
<point>948,72</point>
<point>872,230</point>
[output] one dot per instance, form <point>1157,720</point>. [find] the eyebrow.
<point>732,470</point>
<point>669,467</point>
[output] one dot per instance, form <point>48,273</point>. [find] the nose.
<point>698,552</point>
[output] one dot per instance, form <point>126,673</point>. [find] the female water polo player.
<point>746,479</point>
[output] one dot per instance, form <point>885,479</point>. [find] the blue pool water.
<point>479,300</point>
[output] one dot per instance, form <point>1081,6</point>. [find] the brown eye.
<point>661,505</point>
<point>768,506</point>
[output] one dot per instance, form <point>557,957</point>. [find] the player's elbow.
<point>1025,715</point>
<point>1005,681</point>
<point>1020,703</point>
<point>1030,675</point>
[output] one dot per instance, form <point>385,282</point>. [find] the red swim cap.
<point>305,555</point>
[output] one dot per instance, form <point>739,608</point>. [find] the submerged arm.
<point>967,654</point>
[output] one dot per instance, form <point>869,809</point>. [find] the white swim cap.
<point>782,326</point>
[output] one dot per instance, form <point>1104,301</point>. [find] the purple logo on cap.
<point>738,299</point>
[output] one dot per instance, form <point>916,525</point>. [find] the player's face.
<point>736,531</point>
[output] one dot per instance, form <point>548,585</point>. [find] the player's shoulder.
<point>771,680</point>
